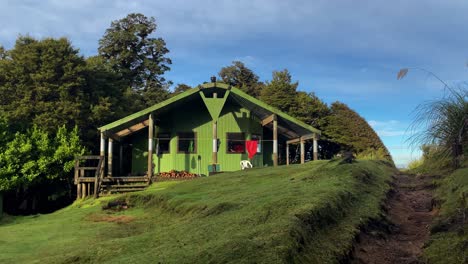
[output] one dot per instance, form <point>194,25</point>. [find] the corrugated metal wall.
<point>195,117</point>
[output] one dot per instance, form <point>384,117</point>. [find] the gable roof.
<point>257,107</point>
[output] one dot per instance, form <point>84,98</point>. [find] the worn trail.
<point>409,212</point>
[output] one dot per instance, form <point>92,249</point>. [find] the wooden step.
<point>126,186</point>
<point>124,190</point>
<point>125,179</point>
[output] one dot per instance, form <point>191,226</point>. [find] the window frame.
<point>195,143</point>
<point>227,143</point>
<point>168,138</point>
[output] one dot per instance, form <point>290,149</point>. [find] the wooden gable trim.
<point>129,130</point>
<point>268,120</point>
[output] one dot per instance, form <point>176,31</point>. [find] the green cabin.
<point>204,131</point>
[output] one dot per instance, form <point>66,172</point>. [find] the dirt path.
<point>409,212</point>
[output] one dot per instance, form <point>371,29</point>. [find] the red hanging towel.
<point>251,147</point>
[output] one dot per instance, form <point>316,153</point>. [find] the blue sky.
<point>342,50</point>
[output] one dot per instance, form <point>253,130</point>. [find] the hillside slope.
<point>449,233</point>
<point>301,213</point>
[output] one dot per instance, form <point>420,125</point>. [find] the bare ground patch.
<point>119,219</point>
<point>409,212</point>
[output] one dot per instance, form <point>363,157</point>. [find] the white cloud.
<point>390,133</point>
<point>383,124</point>
<point>389,128</point>
<point>247,60</point>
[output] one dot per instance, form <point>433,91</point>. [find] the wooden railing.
<point>83,179</point>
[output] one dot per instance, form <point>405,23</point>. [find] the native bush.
<point>35,163</point>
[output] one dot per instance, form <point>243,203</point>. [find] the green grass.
<point>302,213</point>
<point>449,234</point>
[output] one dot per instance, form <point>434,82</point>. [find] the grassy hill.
<point>449,233</point>
<point>300,213</point>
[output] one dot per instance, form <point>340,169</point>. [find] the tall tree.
<point>310,109</point>
<point>130,49</point>
<point>180,88</point>
<point>106,98</point>
<point>41,82</point>
<point>352,132</point>
<point>280,92</point>
<point>242,77</point>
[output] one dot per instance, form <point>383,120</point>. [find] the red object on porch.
<point>251,147</point>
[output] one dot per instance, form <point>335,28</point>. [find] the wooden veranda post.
<point>315,147</point>
<point>78,190</point>
<point>83,190</point>
<point>102,152</point>
<point>275,141</point>
<point>215,143</point>
<point>215,139</point>
<point>150,145</point>
<point>109,158</point>
<point>287,153</point>
<point>121,159</point>
<point>302,151</point>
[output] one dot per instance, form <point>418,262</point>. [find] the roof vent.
<point>213,79</point>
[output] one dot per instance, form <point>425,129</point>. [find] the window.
<point>186,142</point>
<point>163,142</point>
<point>235,142</point>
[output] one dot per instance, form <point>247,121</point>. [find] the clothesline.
<point>210,139</point>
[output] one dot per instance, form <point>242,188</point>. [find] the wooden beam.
<point>268,120</point>
<point>292,141</point>
<point>308,137</point>
<point>150,145</point>
<point>86,168</point>
<point>275,142</point>
<point>88,157</point>
<point>129,130</point>
<point>287,154</point>
<point>298,140</point>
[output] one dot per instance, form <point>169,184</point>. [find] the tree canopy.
<point>242,77</point>
<point>309,109</point>
<point>280,92</point>
<point>130,49</point>
<point>180,88</point>
<point>348,129</point>
<point>42,83</point>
